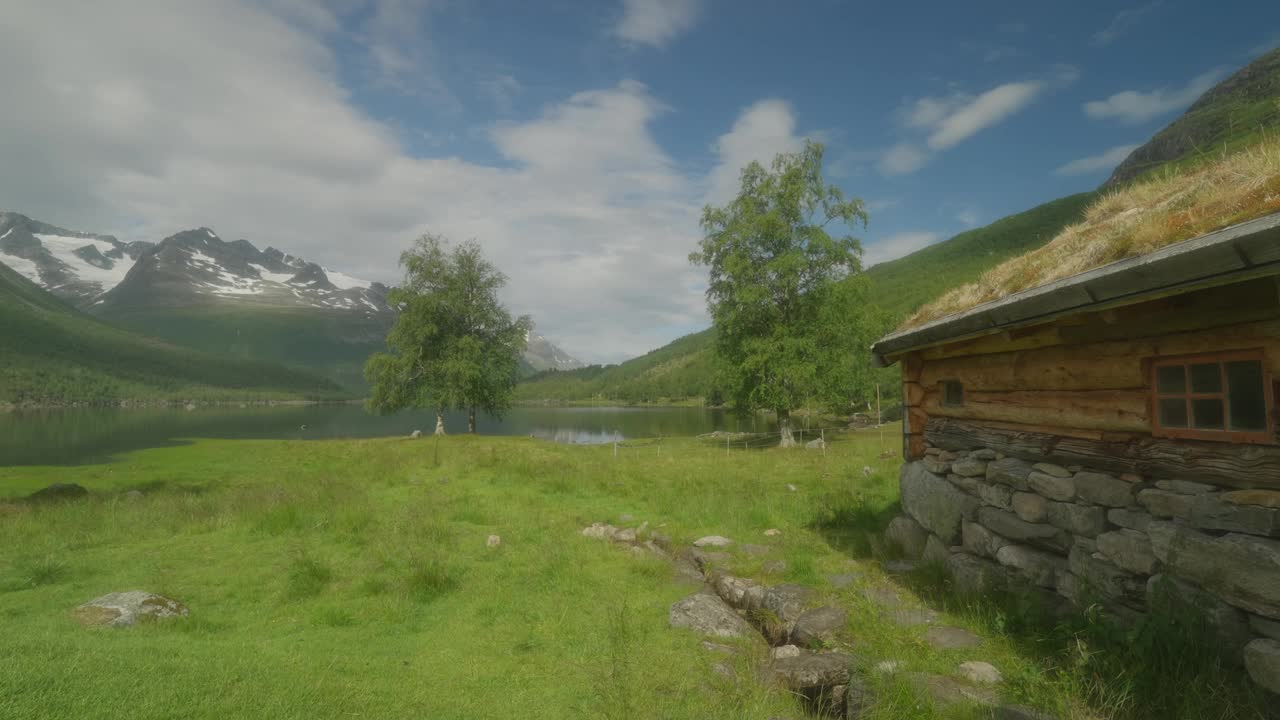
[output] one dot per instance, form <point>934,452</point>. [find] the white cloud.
<point>896,246</point>
<point>762,131</point>
<point>982,112</point>
<point>903,159</point>
<point>1094,163</point>
<point>254,135</point>
<point>1123,21</point>
<point>1132,106</point>
<point>656,22</point>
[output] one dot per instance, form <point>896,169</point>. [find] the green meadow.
<point>352,579</point>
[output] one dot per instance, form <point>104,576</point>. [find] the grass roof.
<point>1136,219</point>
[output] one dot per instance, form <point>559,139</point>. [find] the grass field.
<point>341,579</point>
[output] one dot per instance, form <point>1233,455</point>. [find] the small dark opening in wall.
<point>952,393</point>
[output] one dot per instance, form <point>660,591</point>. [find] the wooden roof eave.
<point>1234,254</point>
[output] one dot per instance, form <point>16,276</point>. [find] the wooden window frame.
<point>1256,437</point>
<point>943,401</point>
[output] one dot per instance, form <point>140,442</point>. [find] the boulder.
<point>1241,569</point>
<point>1012,527</point>
<point>935,551</point>
<point>936,466</point>
<point>1163,503</point>
<point>1262,660</point>
<point>818,444</point>
<point>127,608</point>
<point>1261,498</point>
<point>708,615</point>
<point>600,531</point>
<point>907,534</point>
<point>934,503</point>
<point>58,491</point>
<point>626,535</point>
<point>1052,486</point>
<point>1211,513</point>
<point>971,485</point>
<point>944,691</point>
<point>1041,568</point>
<point>786,602</point>
<point>980,673</point>
<point>978,540</point>
<point>974,575</point>
<point>1128,518</point>
<point>1128,549</point>
<point>818,627</point>
<point>1229,625</point>
<point>1009,471</point>
<point>969,467</point>
<point>1103,489</point>
<point>943,637</point>
<point>1030,507</point>
<point>1265,627</point>
<point>810,670</point>
<point>738,592</point>
<point>996,495</point>
<point>718,541</point>
<point>1100,576</point>
<point>1051,469</point>
<point>1086,520</point>
<point>784,651</point>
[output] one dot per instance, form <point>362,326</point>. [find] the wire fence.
<point>811,439</point>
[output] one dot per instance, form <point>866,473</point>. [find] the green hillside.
<point>54,354</point>
<point>678,371</point>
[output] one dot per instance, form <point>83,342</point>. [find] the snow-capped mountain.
<point>541,354</point>
<point>75,266</point>
<point>197,266</point>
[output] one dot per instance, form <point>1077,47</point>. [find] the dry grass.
<point>1134,220</point>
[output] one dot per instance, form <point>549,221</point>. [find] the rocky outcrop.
<point>709,615</point>
<point>127,608</point>
<point>934,503</point>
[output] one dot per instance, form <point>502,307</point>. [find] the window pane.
<point>952,393</point>
<point>1208,414</point>
<point>1173,413</point>
<point>1206,378</point>
<point>1246,395</point>
<point>1171,379</point>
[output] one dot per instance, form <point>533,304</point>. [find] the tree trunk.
<point>439,423</point>
<point>471,421</point>
<point>784,429</point>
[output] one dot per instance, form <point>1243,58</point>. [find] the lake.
<point>88,435</point>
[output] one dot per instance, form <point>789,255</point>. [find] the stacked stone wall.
<point>1085,536</point>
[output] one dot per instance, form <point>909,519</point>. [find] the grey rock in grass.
<point>738,592</point>
<point>755,550</point>
<point>772,532</point>
<point>1052,486</point>
<point>784,651</point>
<point>687,571</point>
<point>1262,661</point>
<point>58,491</point>
<point>709,615</point>
<point>811,670</point>
<point>718,541</point>
<point>493,541</point>
<point>819,626</point>
<point>706,561</point>
<point>945,637</point>
<point>626,535</point>
<point>127,608</point>
<point>935,551</point>
<point>600,531</point>
<point>787,602</point>
<point>842,580</point>
<point>973,575</point>
<point>934,503</point>
<point>909,616</point>
<point>773,567</point>
<point>1230,625</point>
<point>907,535</point>
<point>1103,489</point>
<point>980,673</point>
<point>945,691</point>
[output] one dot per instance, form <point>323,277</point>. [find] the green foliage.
<point>453,345</point>
<point>784,295</point>
<point>54,354</point>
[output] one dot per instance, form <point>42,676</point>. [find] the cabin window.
<point>1224,396</point>
<point>952,393</point>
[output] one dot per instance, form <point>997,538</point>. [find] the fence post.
<point>824,441</point>
<point>615,444</point>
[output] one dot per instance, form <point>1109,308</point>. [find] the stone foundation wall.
<point>1086,536</point>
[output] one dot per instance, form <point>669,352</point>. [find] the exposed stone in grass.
<point>127,608</point>
<point>415,434</point>
<point>974,575</point>
<point>772,532</point>
<point>755,550</point>
<point>1040,568</point>
<point>947,691</point>
<point>709,615</point>
<point>58,491</point>
<point>787,602</point>
<point>883,596</point>
<point>907,535</point>
<point>706,561</point>
<point>739,592</point>
<point>980,673</point>
<point>1230,625</point>
<point>773,567</point>
<point>913,616</point>
<point>600,531</point>
<point>945,637</point>
<point>821,679</point>
<point>784,651</point>
<point>718,541</point>
<point>818,627</point>
<point>842,580</point>
<point>493,541</point>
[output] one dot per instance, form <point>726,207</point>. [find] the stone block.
<point>969,467</point>
<point>1076,519</point>
<point>1103,489</point>
<point>1100,576</point>
<point>1243,570</point>
<point>907,535</point>
<point>974,575</point>
<point>1265,627</point>
<point>1185,487</point>
<point>1030,506</point>
<point>983,454</point>
<point>1262,661</point>
<point>1261,498</point>
<point>934,503</point>
<point>935,551</point>
<point>1229,625</point>
<point>936,466</point>
<point>1127,518</point>
<point>1051,469</point>
<point>1128,549</point>
<point>1163,503</point>
<point>1009,471</point>
<point>971,485</point>
<point>1037,566</point>
<point>1211,513</point>
<point>1012,527</point>
<point>979,540</point>
<point>1052,486</point>
<point>996,495</point>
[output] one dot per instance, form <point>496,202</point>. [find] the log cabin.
<point>1110,436</point>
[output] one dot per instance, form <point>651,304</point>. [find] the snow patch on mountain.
<point>344,281</point>
<point>107,275</point>
<point>26,268</point>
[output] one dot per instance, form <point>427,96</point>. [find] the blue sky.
<point>577,140</point>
